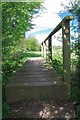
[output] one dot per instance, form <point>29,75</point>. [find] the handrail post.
<point>42,50</point>
<point>50,48</point>
<point>44,44</point>
<point>65,25</point>
<point>66,52</point>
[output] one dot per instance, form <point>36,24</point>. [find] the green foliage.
<point>74,92</point>
<point>6,110</point>
<point>32,44</point>
<point>57,60</point>
<point>78,112</point>
<point>74,8</point>
<point>16,20</point>
<point>58,66</point>
<point>16,17</point>
<point>31,54</point>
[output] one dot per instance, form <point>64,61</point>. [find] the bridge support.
<point>44,44</point>
<point>65,25</point>
<point>66,52</point>
<point>44,50</point>
<point>42,47</point>
<point>50,49</point>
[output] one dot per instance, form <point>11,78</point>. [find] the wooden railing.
<point>65,25</point>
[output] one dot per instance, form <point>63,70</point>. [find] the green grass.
<point>31,54</point>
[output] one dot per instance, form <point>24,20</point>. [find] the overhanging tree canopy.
<point>16,18</point>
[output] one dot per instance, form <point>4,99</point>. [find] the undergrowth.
<point>75,92</point>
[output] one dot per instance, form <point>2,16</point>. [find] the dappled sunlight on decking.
<point>38,92</point>
<point>43,109</point>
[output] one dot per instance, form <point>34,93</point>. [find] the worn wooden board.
<point>33,80</point>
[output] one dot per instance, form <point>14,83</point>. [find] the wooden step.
<point>35,80</point>
<point>39,90</point>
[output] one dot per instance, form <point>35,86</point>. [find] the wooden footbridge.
<point>37,80</point>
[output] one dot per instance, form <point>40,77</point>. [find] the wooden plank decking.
<point>35,80</point>
<point>40,84</point>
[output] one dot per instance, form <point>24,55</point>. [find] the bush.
<point>6,110</point>
<point>58,66</point>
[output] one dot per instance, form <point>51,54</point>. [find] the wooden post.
<point>42,50</point>
<point>50,48</point>
<point>44,44</point>
<point>66,52</point>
